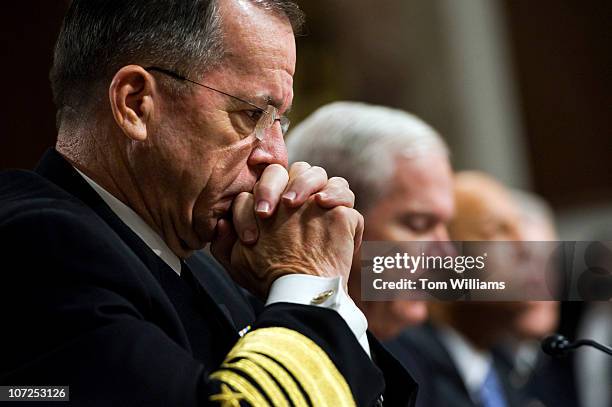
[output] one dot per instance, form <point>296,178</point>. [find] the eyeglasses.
<point>267,118</point>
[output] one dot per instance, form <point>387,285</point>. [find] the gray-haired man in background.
<point>399,169</point>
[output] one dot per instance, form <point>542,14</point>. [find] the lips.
<point>223,206</point>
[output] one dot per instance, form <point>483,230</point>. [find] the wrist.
<point>280,270</point>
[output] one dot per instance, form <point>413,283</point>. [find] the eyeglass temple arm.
<point>182,78</point>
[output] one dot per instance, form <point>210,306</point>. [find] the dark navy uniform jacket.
<point>85,303</point>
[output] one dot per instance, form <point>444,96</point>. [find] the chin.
<point>537,325</point>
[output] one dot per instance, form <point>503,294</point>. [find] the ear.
<point>131,95</point>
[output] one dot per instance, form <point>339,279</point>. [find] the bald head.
<point>484,209</point>
<point>537,217</point>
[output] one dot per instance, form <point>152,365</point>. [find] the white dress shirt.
<point>295,288</point>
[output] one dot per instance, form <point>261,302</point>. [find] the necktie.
<point>491,392</point>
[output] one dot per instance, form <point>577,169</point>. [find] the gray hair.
<point>533,208</point>
<point>98,37</point>
<point>361,143</point>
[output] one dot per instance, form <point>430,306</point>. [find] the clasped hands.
<point>295,222</point>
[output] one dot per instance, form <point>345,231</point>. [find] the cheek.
<point>230,167</point>
<point>380,224</point>
<point>402,233</point>
<point>377,221</point>
<point>225,178</point>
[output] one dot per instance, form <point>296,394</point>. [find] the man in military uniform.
<point>170,137</point>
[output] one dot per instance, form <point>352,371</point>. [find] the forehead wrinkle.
<point>259,40</point>
<point>253,32</point>
<point>260,54</point>
<point>279,91</point>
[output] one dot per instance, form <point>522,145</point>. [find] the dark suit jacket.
<point>547,384</point>
<point>425,356</point>
<point>85,303</point>
<point>553,380</point>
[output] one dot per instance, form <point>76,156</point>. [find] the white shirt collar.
<point>138,225</point>
<point>473,364</point>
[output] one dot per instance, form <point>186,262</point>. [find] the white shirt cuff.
<point>326,292</point>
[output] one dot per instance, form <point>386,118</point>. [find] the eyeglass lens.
<point>267,119</point>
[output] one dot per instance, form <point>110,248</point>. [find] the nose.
<point>440,234</point>
<point>270,150</point>
<point>442,248</point>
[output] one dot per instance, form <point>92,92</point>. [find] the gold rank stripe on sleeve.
<point>244,390</point>
<point>280,374</point>
<point>261,378</point>
<point>264,354</point>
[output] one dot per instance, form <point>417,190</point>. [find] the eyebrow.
<point>267,99</point>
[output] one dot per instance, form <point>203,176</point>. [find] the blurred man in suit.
<point>399,169</point>
<point>452,355</point>
<point>170,136</point>
<point>582,378</point>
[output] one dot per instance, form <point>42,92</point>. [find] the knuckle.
<point>263,189</point>
<point>351,195</point>
<point>339,213</point>
<point>319,171</point>
<point>299,165</point>
<point>243,197</point>
<point>277,169</point>
<point>241,203</point>
<point>340,181</point>
<point>340,190</point>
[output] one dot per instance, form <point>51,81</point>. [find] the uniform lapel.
<point>219,286</point>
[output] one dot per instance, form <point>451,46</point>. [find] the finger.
<point>297,168</point>
<point>358,237</point>
<point>235,271</point>
<point>223,242</point>
<point>335,193</point>
<point>355,223</point>
<point>243,217</point>
<point>269,188</point>
<point>304,185</point>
